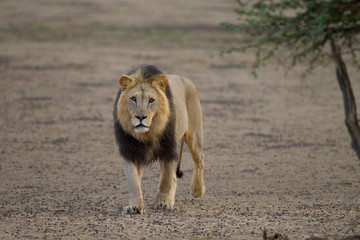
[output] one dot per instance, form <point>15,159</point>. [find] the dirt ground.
<point>277,152</point>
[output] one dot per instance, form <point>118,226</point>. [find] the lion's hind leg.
<point>194,142</point>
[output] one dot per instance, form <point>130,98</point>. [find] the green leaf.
<point>301,27</point>
<point>254,74</point>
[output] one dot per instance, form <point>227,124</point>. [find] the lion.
<point>154,112</point>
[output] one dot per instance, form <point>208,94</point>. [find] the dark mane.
<point>147,71</point>
<point>145,153</point>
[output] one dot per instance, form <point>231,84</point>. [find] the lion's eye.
<point>133,99</point>
<point>151,100</point>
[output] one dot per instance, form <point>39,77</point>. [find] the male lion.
<point>152,113</point>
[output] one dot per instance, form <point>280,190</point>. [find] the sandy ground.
<point>277,152</point>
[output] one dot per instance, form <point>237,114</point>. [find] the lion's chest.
<point>145,153</point>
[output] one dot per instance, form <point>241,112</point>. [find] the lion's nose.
<point>142,117</point>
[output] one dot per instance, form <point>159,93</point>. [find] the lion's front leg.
<point>167,188</point>
<point>133,176</point>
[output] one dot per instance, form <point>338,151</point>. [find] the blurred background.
<point>277,152</point>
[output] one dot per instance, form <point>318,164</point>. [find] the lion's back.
<point>186,102</point>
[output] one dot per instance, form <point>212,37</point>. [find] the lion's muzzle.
<point>141,126</point>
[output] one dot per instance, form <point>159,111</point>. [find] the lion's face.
<point>143,108</point>
<point>142,105</point>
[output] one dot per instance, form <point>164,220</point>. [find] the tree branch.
<point>353,6</point>
<point>333,30</point>
<point>241,3</point>
<point>351,121</point>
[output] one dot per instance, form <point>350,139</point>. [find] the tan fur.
<point>188,125</point>
<point>134,85</point>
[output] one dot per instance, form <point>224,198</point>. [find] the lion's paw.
<point>133,210</point>
<point>197,192</point>
<point>164,205</point>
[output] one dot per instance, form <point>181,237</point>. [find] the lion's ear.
<point>126,82</point>
<point>161,81</point>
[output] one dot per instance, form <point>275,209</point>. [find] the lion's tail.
<point>180,173</point>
